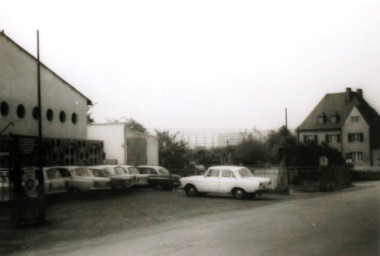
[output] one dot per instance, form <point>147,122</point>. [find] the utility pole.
<point>286,136</point>
<point>39,174</point>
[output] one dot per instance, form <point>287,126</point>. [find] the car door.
<point>227,181</point>
<point>211,181</point>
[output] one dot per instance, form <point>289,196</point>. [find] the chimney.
<point>348,94</point>
<point>359,92</point>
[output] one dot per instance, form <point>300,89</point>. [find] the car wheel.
<point>239,193</point>
<point>191,191</point>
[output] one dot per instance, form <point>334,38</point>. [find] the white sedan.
<point>236,180</point>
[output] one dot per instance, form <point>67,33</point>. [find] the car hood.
<point>195,177</point>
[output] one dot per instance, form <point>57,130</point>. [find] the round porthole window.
<point>50,115</point>
<point>74,118</point>
<point>4,108</point>
<point>62,116</point>
<point>35,113</point>
<point>20,111</point>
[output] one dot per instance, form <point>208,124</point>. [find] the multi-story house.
<point>346,122</point>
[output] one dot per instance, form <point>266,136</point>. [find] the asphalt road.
<point>340,223</point>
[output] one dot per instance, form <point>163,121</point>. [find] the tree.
<point>250,152</point>
<point>172,152</point>
<point>130,123</point>
<point>90,118</point>
<point>278,140</point>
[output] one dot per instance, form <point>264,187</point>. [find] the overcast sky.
<point>199,65</point>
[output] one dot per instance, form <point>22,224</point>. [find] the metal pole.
<point>286,126</point>
<point>40,175</point>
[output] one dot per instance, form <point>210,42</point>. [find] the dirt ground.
<point>94,215</point>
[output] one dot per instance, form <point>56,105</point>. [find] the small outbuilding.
<point>123,145</point>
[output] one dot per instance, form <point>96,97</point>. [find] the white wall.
<point>18,85</point>
<point>112,136</point>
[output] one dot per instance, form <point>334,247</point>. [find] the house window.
<point>322,118</point>
<point>4,108</point>
<point>355,156</point>
<point>333,138</point>
<point>62,116</point>
<point>310,138</point>
<point>50,114</point>
<point>355,119</point>
<point>35,113</point>
<point>355,137</point>
<point>20,111</point>
<point>74,118</point>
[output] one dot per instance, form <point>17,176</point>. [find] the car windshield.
<point>83,172</point>
<point>99,173</point>
<point>244,173</point>
<point>164,171</point>
<point>146,170</point>
<point>133,170</point>
<point>119,170</point>
<point>109,171</point>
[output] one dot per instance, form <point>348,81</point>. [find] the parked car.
<point>56,180</point>
<point>142,180</point>
<point>74,179</point>
<point>118,175</point>
<point>159,177</point>
<point>236,180</point>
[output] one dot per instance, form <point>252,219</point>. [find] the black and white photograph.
<point>173,127</point>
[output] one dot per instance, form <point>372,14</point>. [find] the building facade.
<point>125,146</point>
<point>221,139</point>
<point>64,109</point>
<point>346,122</point>
<point>63,112</point>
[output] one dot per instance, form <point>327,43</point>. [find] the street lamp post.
<point>40,176</point>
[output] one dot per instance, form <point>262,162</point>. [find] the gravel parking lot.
<point>93,215</point>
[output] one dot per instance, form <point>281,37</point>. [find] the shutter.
<point>361,137</point>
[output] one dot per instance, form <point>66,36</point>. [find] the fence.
<point>273,173</point>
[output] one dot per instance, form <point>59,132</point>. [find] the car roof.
<point>67,167</point>
<point>150,166</point>
<point>227,167</point>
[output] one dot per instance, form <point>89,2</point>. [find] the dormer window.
<point>354,119</point>
<point>322,118</point>
<point>334,118</point>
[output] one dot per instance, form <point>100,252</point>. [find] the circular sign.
<point>323,161</point>
<point>29,184</point>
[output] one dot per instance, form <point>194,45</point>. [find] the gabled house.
<point>63,112</point>
<point>345,121</point>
